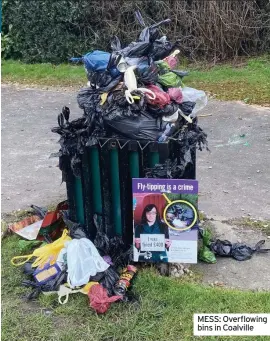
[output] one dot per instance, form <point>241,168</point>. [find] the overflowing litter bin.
<point>139,120</point>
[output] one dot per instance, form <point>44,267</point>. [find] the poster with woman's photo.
<point>165,220</point>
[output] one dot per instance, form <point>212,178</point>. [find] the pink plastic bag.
<point>162,98</point>
<point>171,61</point>
<point>176,95</point>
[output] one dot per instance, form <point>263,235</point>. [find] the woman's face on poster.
<point>151,215</point>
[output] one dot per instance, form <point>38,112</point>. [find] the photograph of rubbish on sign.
<point>165,220</point>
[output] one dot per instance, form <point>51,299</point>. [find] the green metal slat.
<point>153,158</point>
<point>95,180</point>
<point>115,188</point>
<point>79,200</point>
<point>134,166</point>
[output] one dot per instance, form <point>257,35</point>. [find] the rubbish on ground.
<point>42,225</point>
<point>125,280</point>
<point>238,251</point>
<point>43,254</point>
<point>27,245</point>
<point>64,291</point>
<point>99,299</point>
<point>27,228</point>
<point>109,279</point>
<point>83,261</point>
<point>46,273</point>
<point>205,254</point>
<point>206,115</point>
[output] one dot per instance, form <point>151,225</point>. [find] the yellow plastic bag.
<point>45,253</point>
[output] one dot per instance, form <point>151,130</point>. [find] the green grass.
<point>248,82</point>
<point>63,75</point>
<point>164,310</point>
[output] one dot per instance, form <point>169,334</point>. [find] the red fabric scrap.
<point>99,299</point>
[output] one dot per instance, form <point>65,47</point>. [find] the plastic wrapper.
<point>194,95</point>
<point>83,261</point>
<point>46,273</point>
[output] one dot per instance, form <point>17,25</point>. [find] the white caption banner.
<point>231,324</point>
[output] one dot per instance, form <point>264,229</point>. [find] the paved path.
<point>235,176</point>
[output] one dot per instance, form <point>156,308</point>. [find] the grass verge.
<point>263,225</point>
<point>248,82</point>
<point>164,310</point>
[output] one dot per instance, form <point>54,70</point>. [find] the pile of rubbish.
<point>135,93</point>
<point>72,263</point>
<point>211,248</point>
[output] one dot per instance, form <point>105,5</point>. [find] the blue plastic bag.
<point>97,61</point>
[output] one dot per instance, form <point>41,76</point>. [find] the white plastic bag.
<point>194,95</point>
<point>83,261</point>
<point>131,83</point>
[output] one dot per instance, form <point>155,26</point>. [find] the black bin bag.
<point>143,127</point>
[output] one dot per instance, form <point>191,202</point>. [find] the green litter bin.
<point>105,187</point>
